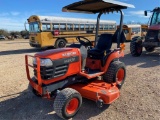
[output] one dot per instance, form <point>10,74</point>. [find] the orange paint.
<point>98,90</point>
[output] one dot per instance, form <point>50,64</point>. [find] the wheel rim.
<point>120,75</point>
<point>72,106</point>
<point>61,44</point>
<point>139,49</point>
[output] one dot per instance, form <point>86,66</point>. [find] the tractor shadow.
<point>89,109</point>
<point>17,42</point>
<point>25,105</point>
<point>146,60</point>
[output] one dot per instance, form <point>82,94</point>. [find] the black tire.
<point>149,49</point>
<point>63,99</point>
<point>116,73</point>
<point>60,43</point>
<point>36,93</point>
<point>32,89</point>
<point>136,47</point>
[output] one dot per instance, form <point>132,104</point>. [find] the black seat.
<point>115,37</point>
<point>104,44</point>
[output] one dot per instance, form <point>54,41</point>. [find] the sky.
<point>14,13</point>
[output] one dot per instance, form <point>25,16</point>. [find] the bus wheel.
<point>67,103</point>
<point>149,49</point>
<point>60,43</point>
<point>136,47</point>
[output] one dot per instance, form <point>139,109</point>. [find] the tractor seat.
<point>104,44</point>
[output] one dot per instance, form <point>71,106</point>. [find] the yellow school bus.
<point>134,30</point>
<point>48,31</point>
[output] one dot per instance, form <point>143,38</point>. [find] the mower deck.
<point>98,90</point>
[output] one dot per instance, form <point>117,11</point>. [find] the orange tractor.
<point>152,38</point>
<point>68,74</point>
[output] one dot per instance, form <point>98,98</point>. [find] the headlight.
<point>43,62</point>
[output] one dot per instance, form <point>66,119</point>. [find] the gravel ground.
<point>139,99</point>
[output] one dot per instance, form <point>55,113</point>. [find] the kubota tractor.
<point>68,74</point>
<point>152,38</point>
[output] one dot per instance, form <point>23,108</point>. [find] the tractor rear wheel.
<point>116,73</point>
<point>149,49</point>
<point>136,47</point>
<point>67,103</point>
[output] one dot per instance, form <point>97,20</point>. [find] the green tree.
<point>24,33</point>
<point>4,32</point>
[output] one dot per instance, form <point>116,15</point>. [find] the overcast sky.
<point>14,13</point>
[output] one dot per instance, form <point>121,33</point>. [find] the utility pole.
<point>25,26</point>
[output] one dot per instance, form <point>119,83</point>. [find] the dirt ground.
<point>139,99</point>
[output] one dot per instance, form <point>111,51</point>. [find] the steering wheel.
<point>84,41</point>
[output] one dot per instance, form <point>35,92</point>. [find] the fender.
<point>112,56</point>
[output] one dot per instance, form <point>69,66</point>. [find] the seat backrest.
<point>104,42</point>
<point>115,37</point>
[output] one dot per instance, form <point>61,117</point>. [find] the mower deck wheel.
<point>116,73</point>
<point>67,103</point>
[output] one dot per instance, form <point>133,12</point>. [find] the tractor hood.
<point>155,27</point>
<point>58,53</point>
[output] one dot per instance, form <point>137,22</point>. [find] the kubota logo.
<point>69,54</point>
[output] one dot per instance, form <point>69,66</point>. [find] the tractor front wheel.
<point>67,103</point>
<point>116,73</point>
<point>136,47</point>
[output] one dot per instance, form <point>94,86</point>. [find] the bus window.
<point>111,27</point>
<point>114,27</point>
<point>76,27</point>
<point>34,27</point>
<point>62,26</point>
<point>55,26</point>
<point>101,27</point>
<point>69,26</point>
<point>81,27</point>
<point>86,27</point>
<point>46,26</point>
<point>105,27</point>
<point>144,29</point>
<point>135,30</point>
<point>91,27</point>
<point>125,31</point>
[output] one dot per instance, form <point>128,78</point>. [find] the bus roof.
<point>133,25</point>
<point>51,19</point>
<point>96,6</point>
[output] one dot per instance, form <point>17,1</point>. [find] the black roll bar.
<point>97,27</point>
<point>120,28</point>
